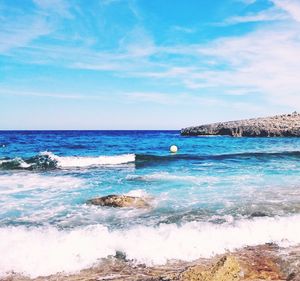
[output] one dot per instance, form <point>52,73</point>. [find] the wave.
<point>45,251</point>
<point>48,160</point>
<point>148,159</point>
<point>175,157</point>
<point>80,161</point>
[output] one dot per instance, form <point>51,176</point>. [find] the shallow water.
<point>216,193</point>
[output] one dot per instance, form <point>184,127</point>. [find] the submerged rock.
<point>286,125</point>
<point>258,214</point>
<point>120,255</point>
<point>119,201</point>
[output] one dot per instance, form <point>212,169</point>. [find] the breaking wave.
<point>48,160</point>
<point>27,249</point>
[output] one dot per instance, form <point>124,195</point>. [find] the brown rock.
<point>260,263</point>
<point>119,201</point>
<point>226,269</point>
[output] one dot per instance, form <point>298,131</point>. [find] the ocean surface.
<point>215,194</point>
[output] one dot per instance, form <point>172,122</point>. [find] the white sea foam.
<point>81,161</point>
<point>21,182</point>
<point>21,162</point>
<point>165,176</point>
<point>138,193</point>
<point>44,251</point>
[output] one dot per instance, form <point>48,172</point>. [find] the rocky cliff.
<point>286,125</point>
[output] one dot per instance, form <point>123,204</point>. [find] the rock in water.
<point>287,125</point>
<point>119,201</point>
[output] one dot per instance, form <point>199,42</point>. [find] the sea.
<point>216,194</point>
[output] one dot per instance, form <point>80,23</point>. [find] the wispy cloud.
<point>14,92</point>
<point>183,29</point>
<point>290,6</point>
<point>281,10</point>
<point>18,29</point>
<point>264,62</point>
<point>21,32</point>
<point>271,14</point>
<point>165,99</point>
<point>49,7</point>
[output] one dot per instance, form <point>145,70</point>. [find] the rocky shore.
<point>264,262</point>
<point>286,125</point>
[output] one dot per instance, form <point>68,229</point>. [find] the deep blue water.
<point>47,176</point>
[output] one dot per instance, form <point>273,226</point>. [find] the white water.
<point>138,193</point>
<point>165,176</point>
<point>22,163</point>
<point>21,182</point>
<point>81,161</point>
<point>44,251</point>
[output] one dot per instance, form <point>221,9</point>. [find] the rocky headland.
<point>286,125</point>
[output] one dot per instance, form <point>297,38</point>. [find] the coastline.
<point>262,262</point>
<point>150,140</point>
<point>215,196</point>
<point>285,125</point>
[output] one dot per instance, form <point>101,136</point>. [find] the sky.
<point>146,64</point>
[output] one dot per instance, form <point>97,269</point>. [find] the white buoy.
<point>173,148</point>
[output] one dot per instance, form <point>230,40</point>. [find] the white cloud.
<point>22,32</point>
<point>290,6</point>
<point>60,7</point>
<point>14,92</point>
<point>281,10</point>
<point>29,26</point>
<point>262,63</point>
<point>159,98</point>
<point>137,43</point>
<point>272,14</point>
<point>265,62</point>
<point>183,29</point>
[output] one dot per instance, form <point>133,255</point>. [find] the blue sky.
<point>146,64</point>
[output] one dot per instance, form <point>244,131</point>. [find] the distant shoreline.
<point>286,125</point>
<point>87,130</point>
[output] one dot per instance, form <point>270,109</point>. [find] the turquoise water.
<point>216,193</point>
